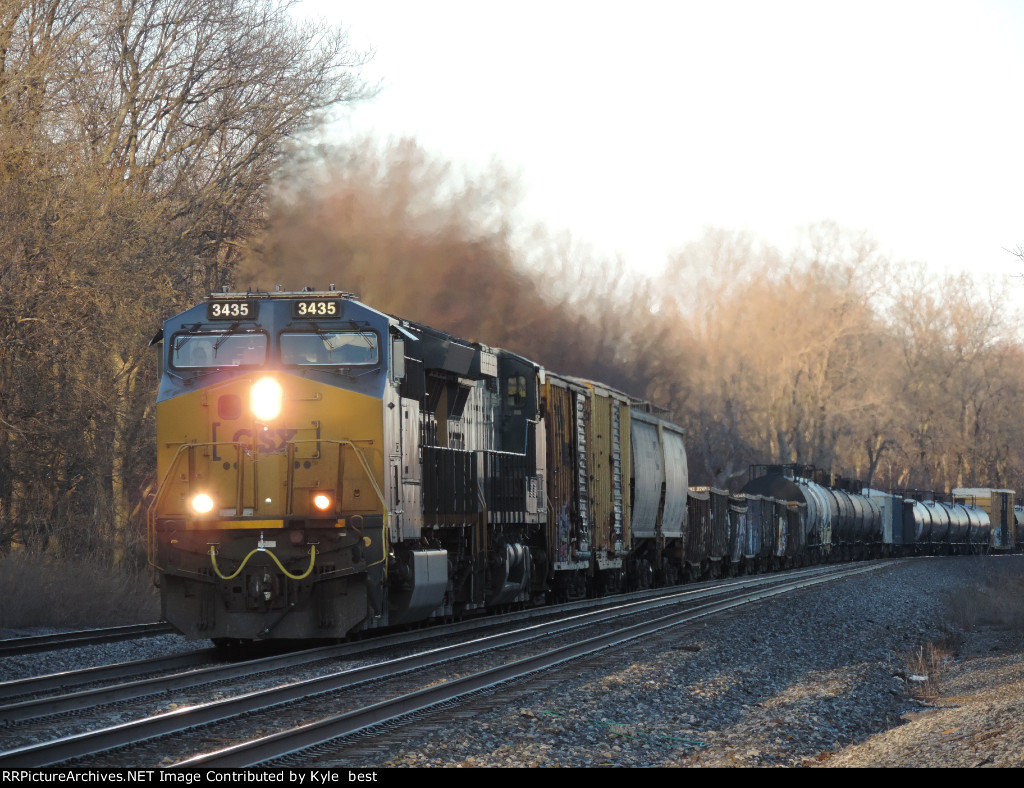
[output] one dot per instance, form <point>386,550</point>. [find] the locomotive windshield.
<point>329,348</point>
<point>208,351</point>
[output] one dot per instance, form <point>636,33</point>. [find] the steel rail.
<point>66,680</point>
<point>26,645</point>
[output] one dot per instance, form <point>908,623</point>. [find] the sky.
<point>635,126</point>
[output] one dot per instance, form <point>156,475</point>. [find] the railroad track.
<point>51,687</point>
<point>88,637</point>
<point>290,716</point>
<point>48,695</point>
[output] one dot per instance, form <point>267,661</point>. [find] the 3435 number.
<point>316,308</point>
<point>231,310</point>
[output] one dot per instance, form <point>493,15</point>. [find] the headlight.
<point>202,504</point>
<point>322,501</point>
<point>266,399</point>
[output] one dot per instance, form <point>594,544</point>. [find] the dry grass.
<point>925,666</point>
<point>40,591</point>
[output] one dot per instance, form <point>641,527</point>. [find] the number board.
<point>231,310</point>
<point>316,307</point>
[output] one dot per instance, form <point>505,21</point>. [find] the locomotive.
<point>325,468</point>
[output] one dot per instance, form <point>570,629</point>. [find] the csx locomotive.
<point>325,468</point>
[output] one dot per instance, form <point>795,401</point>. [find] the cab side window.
<point>516,391</point>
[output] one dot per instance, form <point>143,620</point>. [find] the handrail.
<point>188,449</point>
<point>164,485</point>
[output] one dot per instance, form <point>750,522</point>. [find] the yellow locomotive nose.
<point>266,399</point>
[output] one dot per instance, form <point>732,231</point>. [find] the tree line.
<point>830,353</point>
<point>154,150</point>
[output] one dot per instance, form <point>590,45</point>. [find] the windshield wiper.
<point>219,342</point>
<point>324,336</point>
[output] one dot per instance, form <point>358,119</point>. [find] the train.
<point>325,469</point>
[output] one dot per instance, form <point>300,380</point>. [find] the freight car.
<point>1000,506</point>
<point>854,523</point>
<point>325,468</point>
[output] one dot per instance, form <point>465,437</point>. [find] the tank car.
<point>945,527</point>
<point>833,523</point>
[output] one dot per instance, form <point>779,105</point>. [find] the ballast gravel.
<point>60,660</point>
<point>874,670</point>
<point>823,677</point>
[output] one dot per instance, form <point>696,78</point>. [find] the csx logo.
<point>266,441</point>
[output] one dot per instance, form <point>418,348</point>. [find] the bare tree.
<point>137,138</point>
